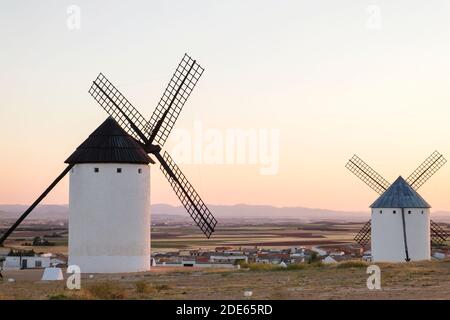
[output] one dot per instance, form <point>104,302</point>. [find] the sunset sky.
<point>333,78</point>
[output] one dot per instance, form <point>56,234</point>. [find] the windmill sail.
<point>118,107</point>
<point>437,234</point>
<point>369,176</point>
<point>427,169</point>
<point>187,195</point>
<point>363,236</point>
<point>173,99</point>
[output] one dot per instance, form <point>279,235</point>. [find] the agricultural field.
<point>176,237</point>
<point>269,236</point>
<point>169,238</point>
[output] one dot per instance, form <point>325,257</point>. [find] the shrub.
<point>161,287</point>
<point>106,291</point>
<point>352,264</point>
<point>58,296</point>
<point>143,287</point>
<point>316,264</point>
<point>313,258</point>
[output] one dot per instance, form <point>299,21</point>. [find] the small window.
<point>96,170</point>
<point>409,211</point>
<point>395,212</point>
<point>119,170</point>
<point>38,263</point>
<point>422,211</point>
<point>139,170</point>
<point>381,211</point>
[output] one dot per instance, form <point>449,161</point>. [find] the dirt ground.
<point>421,280</point>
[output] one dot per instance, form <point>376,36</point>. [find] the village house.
<point>26,262</point>
<point>222,249</point>
<point>228,258</point>
<point>274,258</point>
<point>328,260</point>
<point>231,257</point>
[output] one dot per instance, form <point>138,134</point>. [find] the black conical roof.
<point>109,143</point>
<point>400,195</point>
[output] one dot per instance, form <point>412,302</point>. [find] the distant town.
<point>219,257</point>
<point>42,241</point>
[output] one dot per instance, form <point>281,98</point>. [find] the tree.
<point>313,257</point>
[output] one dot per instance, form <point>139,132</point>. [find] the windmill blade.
<point>118,107</point>
<point>369,176</point>
<point>187,195</point>
<point>38,200</point>
<point>428,168</point>
<point>437,234</point>
<point>172,101</point>
<point>363,236</point>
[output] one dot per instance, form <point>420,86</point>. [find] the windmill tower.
<point>109,218</point>
<point>109,203</point>
<point>400,228</point>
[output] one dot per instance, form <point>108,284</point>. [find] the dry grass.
<point>143,287</point>
<point>277,267</point>
<point>3,297</point>
<point>264,267</point>
<point>421,280</point>
<point>106,290</point>
<point>296,266</point>
<point>261,267</point>
<point>352,264</point>
<point>162,287</point>
<point>58,296</point>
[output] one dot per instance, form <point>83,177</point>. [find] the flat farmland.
<point>169,238</point>
<point>174,238</point>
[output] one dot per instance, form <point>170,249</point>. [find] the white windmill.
<point>400,228</point>
<point>109,203</point>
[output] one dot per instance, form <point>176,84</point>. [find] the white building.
<point>109,203</point>
<point>320,252</point>
<point>329,260</point>
<point>52,274</point>
<point>400,226</point>
<point>25,262</point>
<point>439,255</point>
<point>228,259</point>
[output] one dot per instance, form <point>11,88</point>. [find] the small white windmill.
<point>400,228</point>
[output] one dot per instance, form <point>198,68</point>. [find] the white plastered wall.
<point>387,234</point>
<point>109,218</point>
